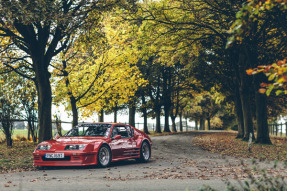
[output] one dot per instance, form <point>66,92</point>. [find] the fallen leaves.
<point>227,144</point>
<point>17,158</point>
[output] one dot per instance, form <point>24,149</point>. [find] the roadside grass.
<point>17,158</point>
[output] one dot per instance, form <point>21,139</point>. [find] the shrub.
<point>264,182</point>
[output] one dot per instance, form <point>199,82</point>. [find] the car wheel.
<point>104,156</point>
<point>145,152</point>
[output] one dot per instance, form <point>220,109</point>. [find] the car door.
<point>130,143</point>
<point>132,139</point>
<point>117,145</point>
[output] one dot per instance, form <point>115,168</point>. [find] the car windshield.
<point>98,130</point>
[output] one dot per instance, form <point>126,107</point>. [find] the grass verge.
<point>17,158</point>
<point>226,143</point>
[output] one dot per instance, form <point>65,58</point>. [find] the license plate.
<point>54,155</point>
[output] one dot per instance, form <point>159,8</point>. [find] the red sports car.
<point>94,143</point>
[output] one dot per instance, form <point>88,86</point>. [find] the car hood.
<point>75,140</point>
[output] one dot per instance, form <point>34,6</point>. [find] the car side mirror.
<point>117,137</point>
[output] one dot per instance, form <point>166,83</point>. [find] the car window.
<point>114,132</point>
<point>77,131</point>
<point>120,130</point>
<point>98,130</point>
<point>130,131</point>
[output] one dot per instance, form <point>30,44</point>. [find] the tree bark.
<point>244,91</point>
<point>44,103</point>
<point>239,114</point>
<point>196,124</point>
<point>202,123</point>
<point>29,130</point>
<point>116,114</point>
<point>157,127</point>
<point>132,113</point>
<point>173,124</point>
<point>180,123</point>
<point>261,112</point>
<point>166,117</point>
<point>247,115</point>
<point>144,110</point>
<point>74,110</point>
<point>9,141</point>
<point>101,116</point>
<point>208,123</point>
<point>7,128</point>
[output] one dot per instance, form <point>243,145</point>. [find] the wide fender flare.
<point>140,140</point>
<point>97,145</point>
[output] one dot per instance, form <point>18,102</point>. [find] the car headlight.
<point>75,147</point>
<point>44,147</point>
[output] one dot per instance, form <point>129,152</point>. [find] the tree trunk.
<point>157,127</point>
<point>244,91</point>
<point>261,119</point>
<point>7,128</point>
<point>74,111</point>
<point>247,115</point>
<point>196,124</point>
<point>132,115</point>
<point>101,116</point>
<point>173,124</point>
<point>202,123</point>
<point>166,118</point>
<point>261,112</point>
<point>239,115</point>
<point>29,130</point>
<point>33,129</point>
<point>116,114</point>
<point>144,110</point>
<point>44,103</point>
<point>208,123</point>
<point>9,141</point>
<point>180,123</point>
<point>73,100</point>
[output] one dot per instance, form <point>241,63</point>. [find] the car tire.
<point>145,152</point>
<point>104,156</point>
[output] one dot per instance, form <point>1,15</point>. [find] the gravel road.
<point>176,164</point>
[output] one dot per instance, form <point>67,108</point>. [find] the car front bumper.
<point>70,159</point>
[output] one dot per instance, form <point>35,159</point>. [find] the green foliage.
<point>9,103</point>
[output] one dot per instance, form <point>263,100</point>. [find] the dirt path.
<point>175,165</point>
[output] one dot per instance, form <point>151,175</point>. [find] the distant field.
<point>22,133</point>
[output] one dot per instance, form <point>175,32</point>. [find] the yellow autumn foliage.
<point>103,72</point>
